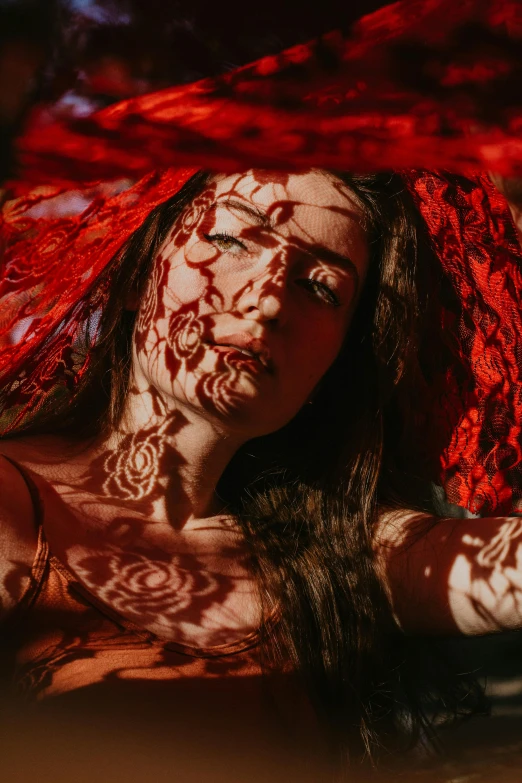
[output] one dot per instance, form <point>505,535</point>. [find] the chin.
<point>238,415</point>
<point>238,401</point>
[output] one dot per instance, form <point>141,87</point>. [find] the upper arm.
<point>451,575</point>
<point>18,537</point>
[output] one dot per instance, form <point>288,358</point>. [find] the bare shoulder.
<point>18,534</point>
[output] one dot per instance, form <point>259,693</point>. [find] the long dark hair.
<point>307,496</point>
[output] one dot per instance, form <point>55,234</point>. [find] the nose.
<point>264,299</point>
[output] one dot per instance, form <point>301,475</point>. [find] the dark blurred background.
<point>84,54</point>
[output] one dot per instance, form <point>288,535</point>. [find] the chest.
<point>80,664</point>
<point>189,587</point>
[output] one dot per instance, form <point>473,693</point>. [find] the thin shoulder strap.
<point>41,558</point>
<point>33,492</point>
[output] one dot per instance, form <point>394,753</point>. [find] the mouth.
<point>245,349</point>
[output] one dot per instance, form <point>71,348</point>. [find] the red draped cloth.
<point>420,86</point>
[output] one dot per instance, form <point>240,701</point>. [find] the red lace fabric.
<point>52,286</point>
<point>429,84</point>
<point>475,403</point>
<point>420,83</point>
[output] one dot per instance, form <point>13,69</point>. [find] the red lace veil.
<point>423,86</point>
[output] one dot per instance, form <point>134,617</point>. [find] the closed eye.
<point>321,290</point>
<point>225,242</point>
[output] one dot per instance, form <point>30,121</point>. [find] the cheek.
<point>326,337</point>
<point>186,285</point>
<point>193,276</point>
<point>320,347</point>
<point>186,277</point>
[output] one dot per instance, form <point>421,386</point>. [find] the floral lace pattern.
<point>477,386</point>
<point>341,103</point>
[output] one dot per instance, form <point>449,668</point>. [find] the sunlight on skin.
<point>452,575</point>
<point>272,261</point>
<point>455,576</point>
<point>233,274</point>
<point>247,305</point>
<point>491,599</point>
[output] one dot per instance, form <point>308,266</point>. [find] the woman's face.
<point>250,297</point>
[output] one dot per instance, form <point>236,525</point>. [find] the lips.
<point>248,346</point>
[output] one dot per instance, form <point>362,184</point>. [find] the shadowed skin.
<point>274,262</point>
<point>247,306</point>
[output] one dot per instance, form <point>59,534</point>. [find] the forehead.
<point>312,206</point>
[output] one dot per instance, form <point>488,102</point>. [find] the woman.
<point>203,507</point>
<point>175,507</point>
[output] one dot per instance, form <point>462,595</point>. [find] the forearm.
<point>451,576</point>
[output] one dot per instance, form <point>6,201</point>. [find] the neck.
<point>164,460</point>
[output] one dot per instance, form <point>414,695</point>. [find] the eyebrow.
<point>317,251</point>
<point>324,254</point>
<point>260,217</point>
